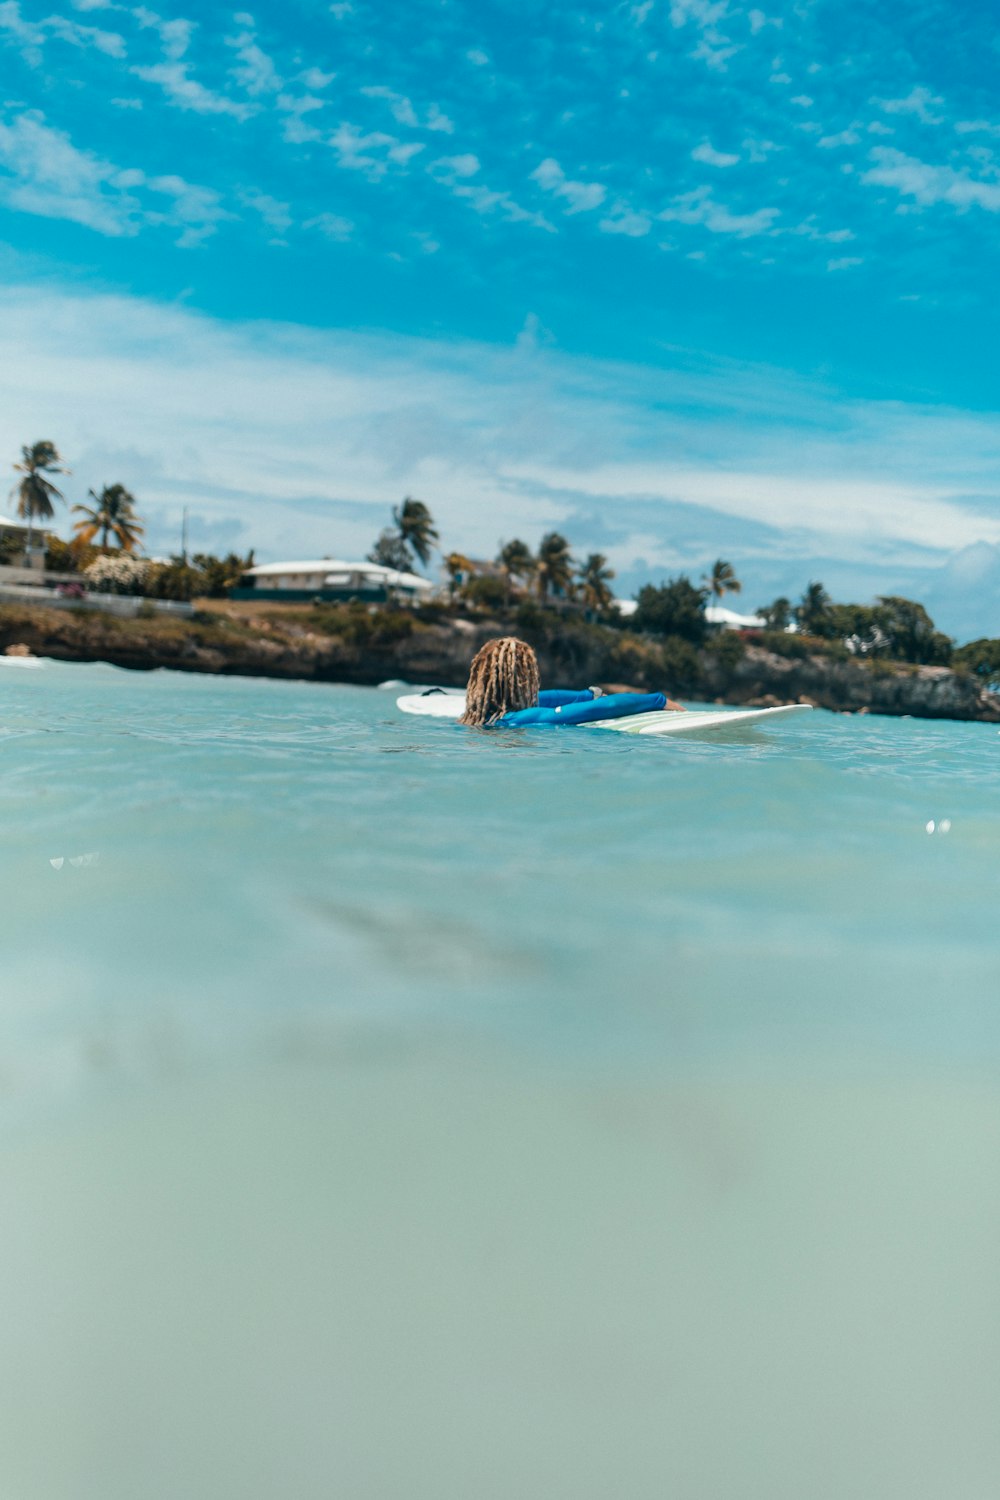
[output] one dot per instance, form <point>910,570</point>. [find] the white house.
<point>728,619</point>
<point>715,614</point>
<point>329,579</point>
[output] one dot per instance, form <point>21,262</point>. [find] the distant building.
<point>728,619</point>
<point>329,580</point>
<point>715,615</point>
<point>16,529</point>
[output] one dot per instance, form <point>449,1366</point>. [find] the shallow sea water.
<point>390,1110</point>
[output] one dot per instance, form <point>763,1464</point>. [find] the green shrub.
<point>728,649</point>
<point>679,665</point>
<point>485,592</point>
<point>676,608</point>
<point>982,659</point>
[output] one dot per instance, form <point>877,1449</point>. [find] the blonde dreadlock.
<point>503,678</point>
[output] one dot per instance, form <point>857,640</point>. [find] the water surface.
<point>389,1109</point>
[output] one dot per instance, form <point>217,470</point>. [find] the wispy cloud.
<point>405,113</point>
<point>48,176</point>
<point>919,102</point>
<point>707,153</point>
<point>187,93</point>
<point>30,37</point>
<point>255,71</point>
<point>927,184</point>
<point>332,226</point>
<point>699,208</point>
<point>371,152</point>
<point>580,196</point>
<point>175,34</point>
<point>624,220</point>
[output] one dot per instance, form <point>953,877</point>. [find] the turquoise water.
<point>390,1110</point>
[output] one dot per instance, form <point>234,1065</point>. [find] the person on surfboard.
<point>503,689</point>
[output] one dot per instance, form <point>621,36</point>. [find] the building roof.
<point>7,523</point>
<point>717,614</point>
<point>331,565</point>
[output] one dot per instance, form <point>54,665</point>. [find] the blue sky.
<point>681,278</point>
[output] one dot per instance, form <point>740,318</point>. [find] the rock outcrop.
<point>360,648</point>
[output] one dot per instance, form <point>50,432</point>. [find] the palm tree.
<point>777,615</point>
<point>555,565</point>
<point>594,576</point>
<point>721,581</point>
<point>812,613</point>
<point>35,493</point>
<point>112,514</point>
<point>416,527</point>
<point>517,561</point>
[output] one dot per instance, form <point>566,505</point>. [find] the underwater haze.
<point>390,1109</point>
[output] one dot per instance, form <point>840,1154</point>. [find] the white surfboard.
<point>449,703</point>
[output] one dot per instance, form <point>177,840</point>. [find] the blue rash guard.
<point>557,707</point>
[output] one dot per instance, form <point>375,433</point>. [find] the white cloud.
<point>477,58</point>
<point>465,165</point>
<point>844,263</point>
<point>296,441</point>
<point>175,35</point>
<point>804,101</point>
<point>436,119</point>
<point>255,71</point>
<point>400,107</point>
<point>276,215</point>
<point>699,207</point>
<point>929,185</point>
<point>707,153</point>
<point>848,137</point>
<point>581,196</point>
<point>31,36</point>
<point>28,35</point>
<point>333,226</point>
<point>453,173</point>
<point>50,177</point>
<point>187,93</point>
<point>315,78</point>
<point>108,42</point>
<point>371,152</point>
<point>919,102</point>
<point>713,47</point>
<point>624,220</point>
<point>404,112</point>
<point>970,127</point>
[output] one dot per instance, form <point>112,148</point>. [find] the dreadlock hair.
<point>503,678</point>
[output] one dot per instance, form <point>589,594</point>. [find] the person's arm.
<point>614,706</point>
<point>559,697</point>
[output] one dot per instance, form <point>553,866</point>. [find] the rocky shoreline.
<point>352,645</point>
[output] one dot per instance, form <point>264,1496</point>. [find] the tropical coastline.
<point>367,645</point>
